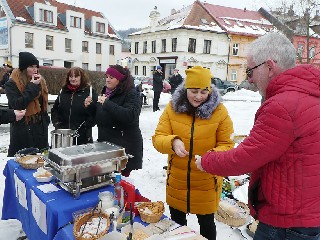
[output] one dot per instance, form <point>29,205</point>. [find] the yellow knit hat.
<point>198,77</point>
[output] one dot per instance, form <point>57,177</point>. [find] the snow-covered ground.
<point>242,106</point>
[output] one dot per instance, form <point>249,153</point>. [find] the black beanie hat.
<point>27,59</point>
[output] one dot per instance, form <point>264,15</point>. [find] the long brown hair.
<point>77,71</point>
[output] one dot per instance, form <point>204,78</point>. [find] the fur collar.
<point>180,103</point>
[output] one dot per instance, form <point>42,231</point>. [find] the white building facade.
<point>175,42</point>
<point>58,34</point>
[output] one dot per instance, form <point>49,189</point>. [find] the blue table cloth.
<point>59,205</point>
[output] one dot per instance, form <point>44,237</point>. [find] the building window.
<point>2,12</point>
<point>85,66</point>
<point>100,27</point>
<point>153,46</point>
<point>312,52</point>
<point>98,48</point>
<point>136,47</point>
<point>164,45</point>
<point>207,46</point>
<point>235,49</point>
<point>28,40</point>
<point>135,70</point>
<point>174,44</point>
<point>75,22</point>
<point>192,45</point>
<point>85,46</point>
<point>145,46</point>
<point>111,50</point>
<point>46,16</point>
<point>68,45</point>
<point>47,62</point>
<point>98,67</point>
<point>233,75</point>
<point>300,49</point>
<point>144,71</point>
<point>49,42</point>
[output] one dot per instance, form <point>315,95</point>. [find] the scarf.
<point>33,110</point>
<point>72,88</point>
<point>108,93</point>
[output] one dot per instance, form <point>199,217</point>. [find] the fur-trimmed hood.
<point>180,103</point>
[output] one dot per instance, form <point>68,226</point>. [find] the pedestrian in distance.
<point>193,122</point>
<point>143,97</point>
<point>27,90</point>
<point>7,68</point>
<point>175,80</point>
<point>282,149</point>
<point>75,106</point>
<point>157,87</point>
<point>117,116</point>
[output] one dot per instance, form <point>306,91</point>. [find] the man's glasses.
<point>249,71</point>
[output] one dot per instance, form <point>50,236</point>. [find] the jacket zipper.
<point>70,110</point>
<point>189,163</point>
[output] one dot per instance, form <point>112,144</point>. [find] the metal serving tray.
<point>84,167</point>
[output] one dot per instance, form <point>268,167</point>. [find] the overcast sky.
<point>124,14</point>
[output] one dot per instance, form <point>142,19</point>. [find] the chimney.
<point>154,18</point>
<point>245,9</point>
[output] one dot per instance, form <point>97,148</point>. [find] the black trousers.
<point>206,222</point>
<point>156,98</point>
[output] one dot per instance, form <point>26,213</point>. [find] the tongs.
<point>131,223</point>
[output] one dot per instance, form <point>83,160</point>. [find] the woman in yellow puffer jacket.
<point>194,122</point>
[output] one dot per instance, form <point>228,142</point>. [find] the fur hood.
<point>180,103</point>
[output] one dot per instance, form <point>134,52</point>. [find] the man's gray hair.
<point>273,46</point>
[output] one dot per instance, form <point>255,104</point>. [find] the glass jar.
<point>106,200</point>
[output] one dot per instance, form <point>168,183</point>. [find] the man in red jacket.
<point>283,148</point>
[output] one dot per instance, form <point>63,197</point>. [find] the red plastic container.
<point>129,193</point>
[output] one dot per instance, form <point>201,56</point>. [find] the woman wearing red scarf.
<point>75,106</point>
<point>118,112</point>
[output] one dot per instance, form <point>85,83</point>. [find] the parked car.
<point>246,85</point>
<point>224,86</point>
<point>149,81</point>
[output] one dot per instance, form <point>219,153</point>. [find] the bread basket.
<point>151,212</point>
<point>30,161</point>
<point>91,221</point>
<point>235,214</point>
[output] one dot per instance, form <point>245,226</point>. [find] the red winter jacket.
<point>282,152</point>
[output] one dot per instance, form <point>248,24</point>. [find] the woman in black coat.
<point>27,90</point>
<point>75,106</point>
<point>117,117</point>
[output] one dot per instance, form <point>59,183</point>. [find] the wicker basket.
<point>83,219</point>
<point>27,163</point>
<point>145,209</point>
<point>223,216</point>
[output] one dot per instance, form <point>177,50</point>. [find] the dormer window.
<point>45,16</point>
<point>239,24</point>
<point>100,27</point>
<point>75,22</point>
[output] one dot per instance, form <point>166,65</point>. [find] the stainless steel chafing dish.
<point>82,168</point>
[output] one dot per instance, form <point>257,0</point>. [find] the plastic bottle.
<point>118,192</point>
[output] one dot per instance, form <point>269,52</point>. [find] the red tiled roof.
<point>20,10</point>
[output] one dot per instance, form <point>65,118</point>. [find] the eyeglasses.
<point>249,71</point>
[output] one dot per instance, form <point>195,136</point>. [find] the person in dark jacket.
<point>75,106</point>
<point>27,90</point>
<point>10,115</point>
<point>117,116</point>
<point>157,87</point>
<point>175,80</point>
<point>7,68</point>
